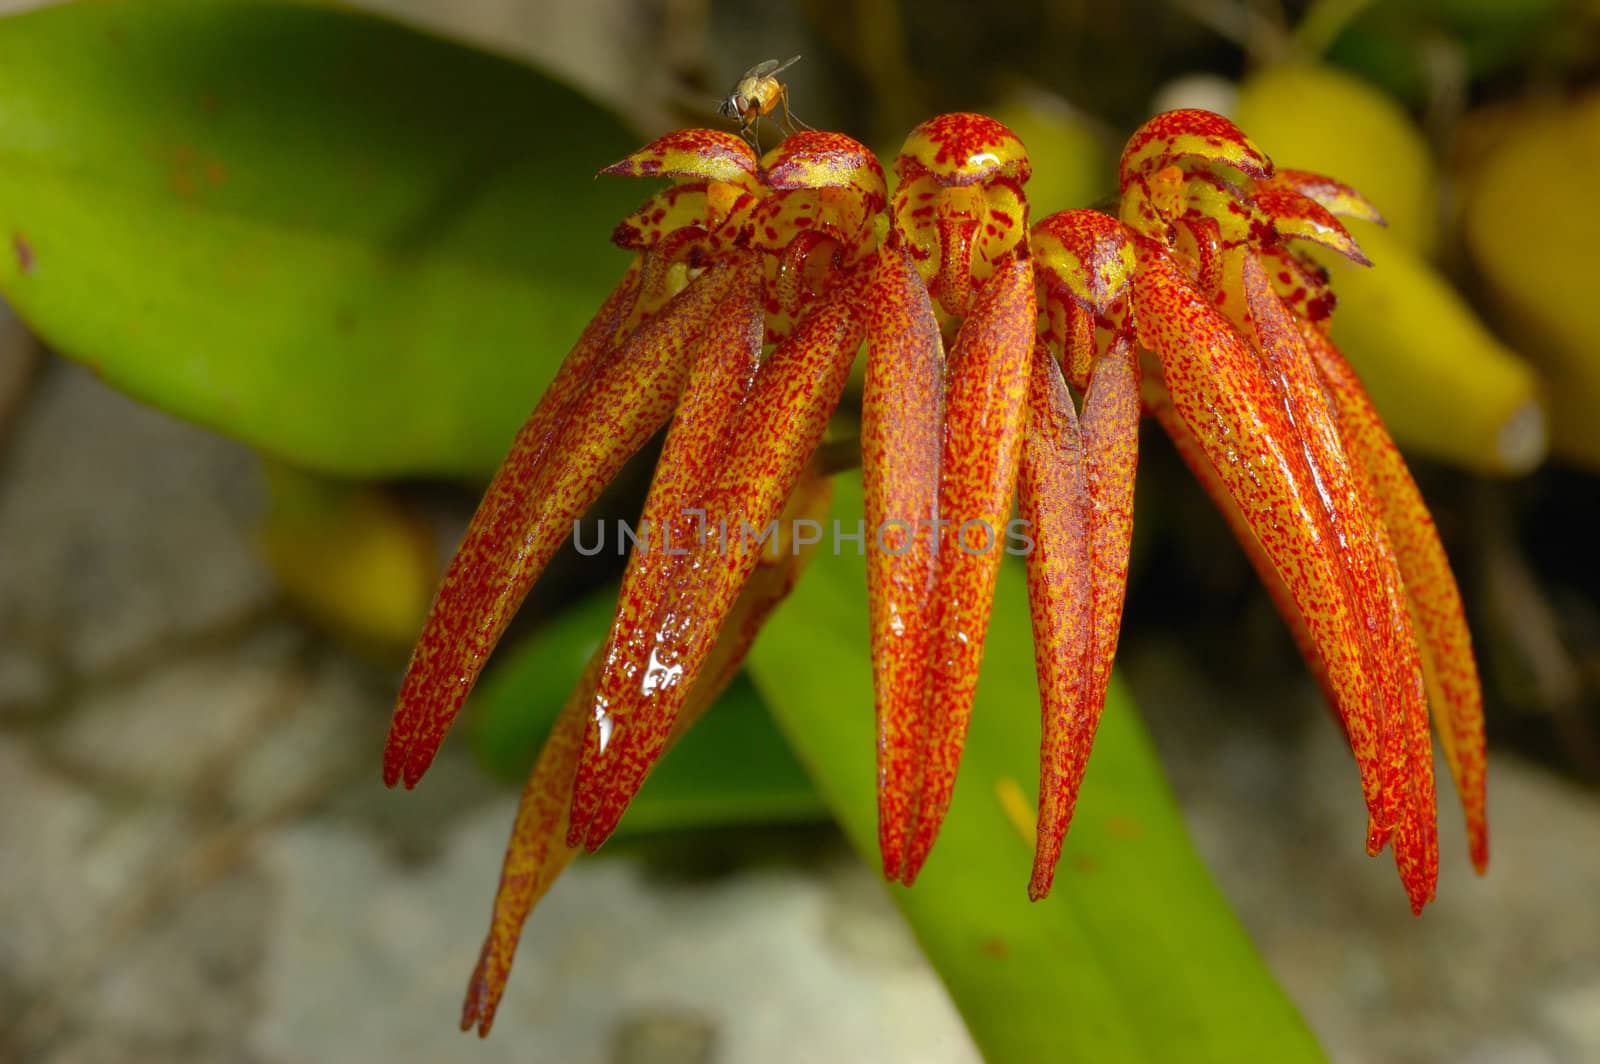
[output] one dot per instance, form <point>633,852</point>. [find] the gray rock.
<point>121,539</point>
<point>747,956</point>
<point>164,732</point>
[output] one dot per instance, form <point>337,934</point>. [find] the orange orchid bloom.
<point>1004,364</point>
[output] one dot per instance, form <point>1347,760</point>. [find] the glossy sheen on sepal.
<point>734,498</point>
<point>640,670</point>
<point>813,159</point>
<point>963,149</point>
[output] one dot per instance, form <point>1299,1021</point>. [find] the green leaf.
<point>734,767</point>
<point>1135,956</point>
<point>355,246</point>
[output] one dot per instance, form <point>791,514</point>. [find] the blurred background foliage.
<point>363,250</point>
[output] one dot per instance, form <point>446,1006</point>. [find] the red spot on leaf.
<point>24,252</point>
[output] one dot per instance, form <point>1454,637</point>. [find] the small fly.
<point>757,93</point>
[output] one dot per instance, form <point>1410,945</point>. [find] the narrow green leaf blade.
<point>356,246</point>
<point>1136,956</point>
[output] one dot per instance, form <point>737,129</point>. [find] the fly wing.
<point>779,68</point>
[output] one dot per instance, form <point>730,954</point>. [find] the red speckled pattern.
<point>1337,196</point>
<point>1054,489</point>
<point>754,463</point>
<point>962,149</point>
<point>634,681</point>
<point>1197,269</point>
<point>985,407</point>
<point>537,853</point>
<point>1451,669</point>
<point>1220,390</point>
<point>1300,217</point>
<point>704,153</point>
<point>1371,577</point>
<point>1190,134</point>
<point>599,411</point>
<point>1077,494</point>
<point>902,430</point>
<point>814,159</point>
<point>1085,253</point>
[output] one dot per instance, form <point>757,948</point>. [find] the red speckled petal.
<point>1298,217</point>
<point>669,211</point>
<point>1372,581</point>
<point>985,410</point>
<point>1337,196</point>
<point>772,577</point>
<point>535,857</point>
<point>813,159</point>
<point>1111,438</point>
<point>1448,660</point>
<point>1053,486</point>
<point>537,853</point>
<point>777,428</point>
<point>1158,402</point>
<point>1301,283</point>
<point>1087,253</point>
<point>962,149</point>
<point>707,153</point>
<point>695,448</point>
<point>955,283</point>
<point>1190,134</point>
<point>902,431</point>
<point>1416,838</point>
<point>1220,390</point>
<point>603,406</point>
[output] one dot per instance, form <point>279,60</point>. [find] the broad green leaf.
<point>353,245</point>
<point>733,767</point>
<point>1135,956</point>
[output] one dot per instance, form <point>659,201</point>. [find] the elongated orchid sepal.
<point>1336,196</point>
<point>604,405</point>
<point>1054,490</point>
<point>1448,660</point>
<point>693,153</point>
<point>538,853</point>
<point>902,433</point>
<point>1372,580</point>
<point>940,451</point>
<point>1220,390</point>
<point>985,407</point>
<point>1076,489</point>
<point>633,674</point>
<point>773,432</point>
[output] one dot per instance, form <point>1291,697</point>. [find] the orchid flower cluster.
<point>1005,364</point>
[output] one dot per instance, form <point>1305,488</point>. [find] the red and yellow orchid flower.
<point>1004,364</point>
